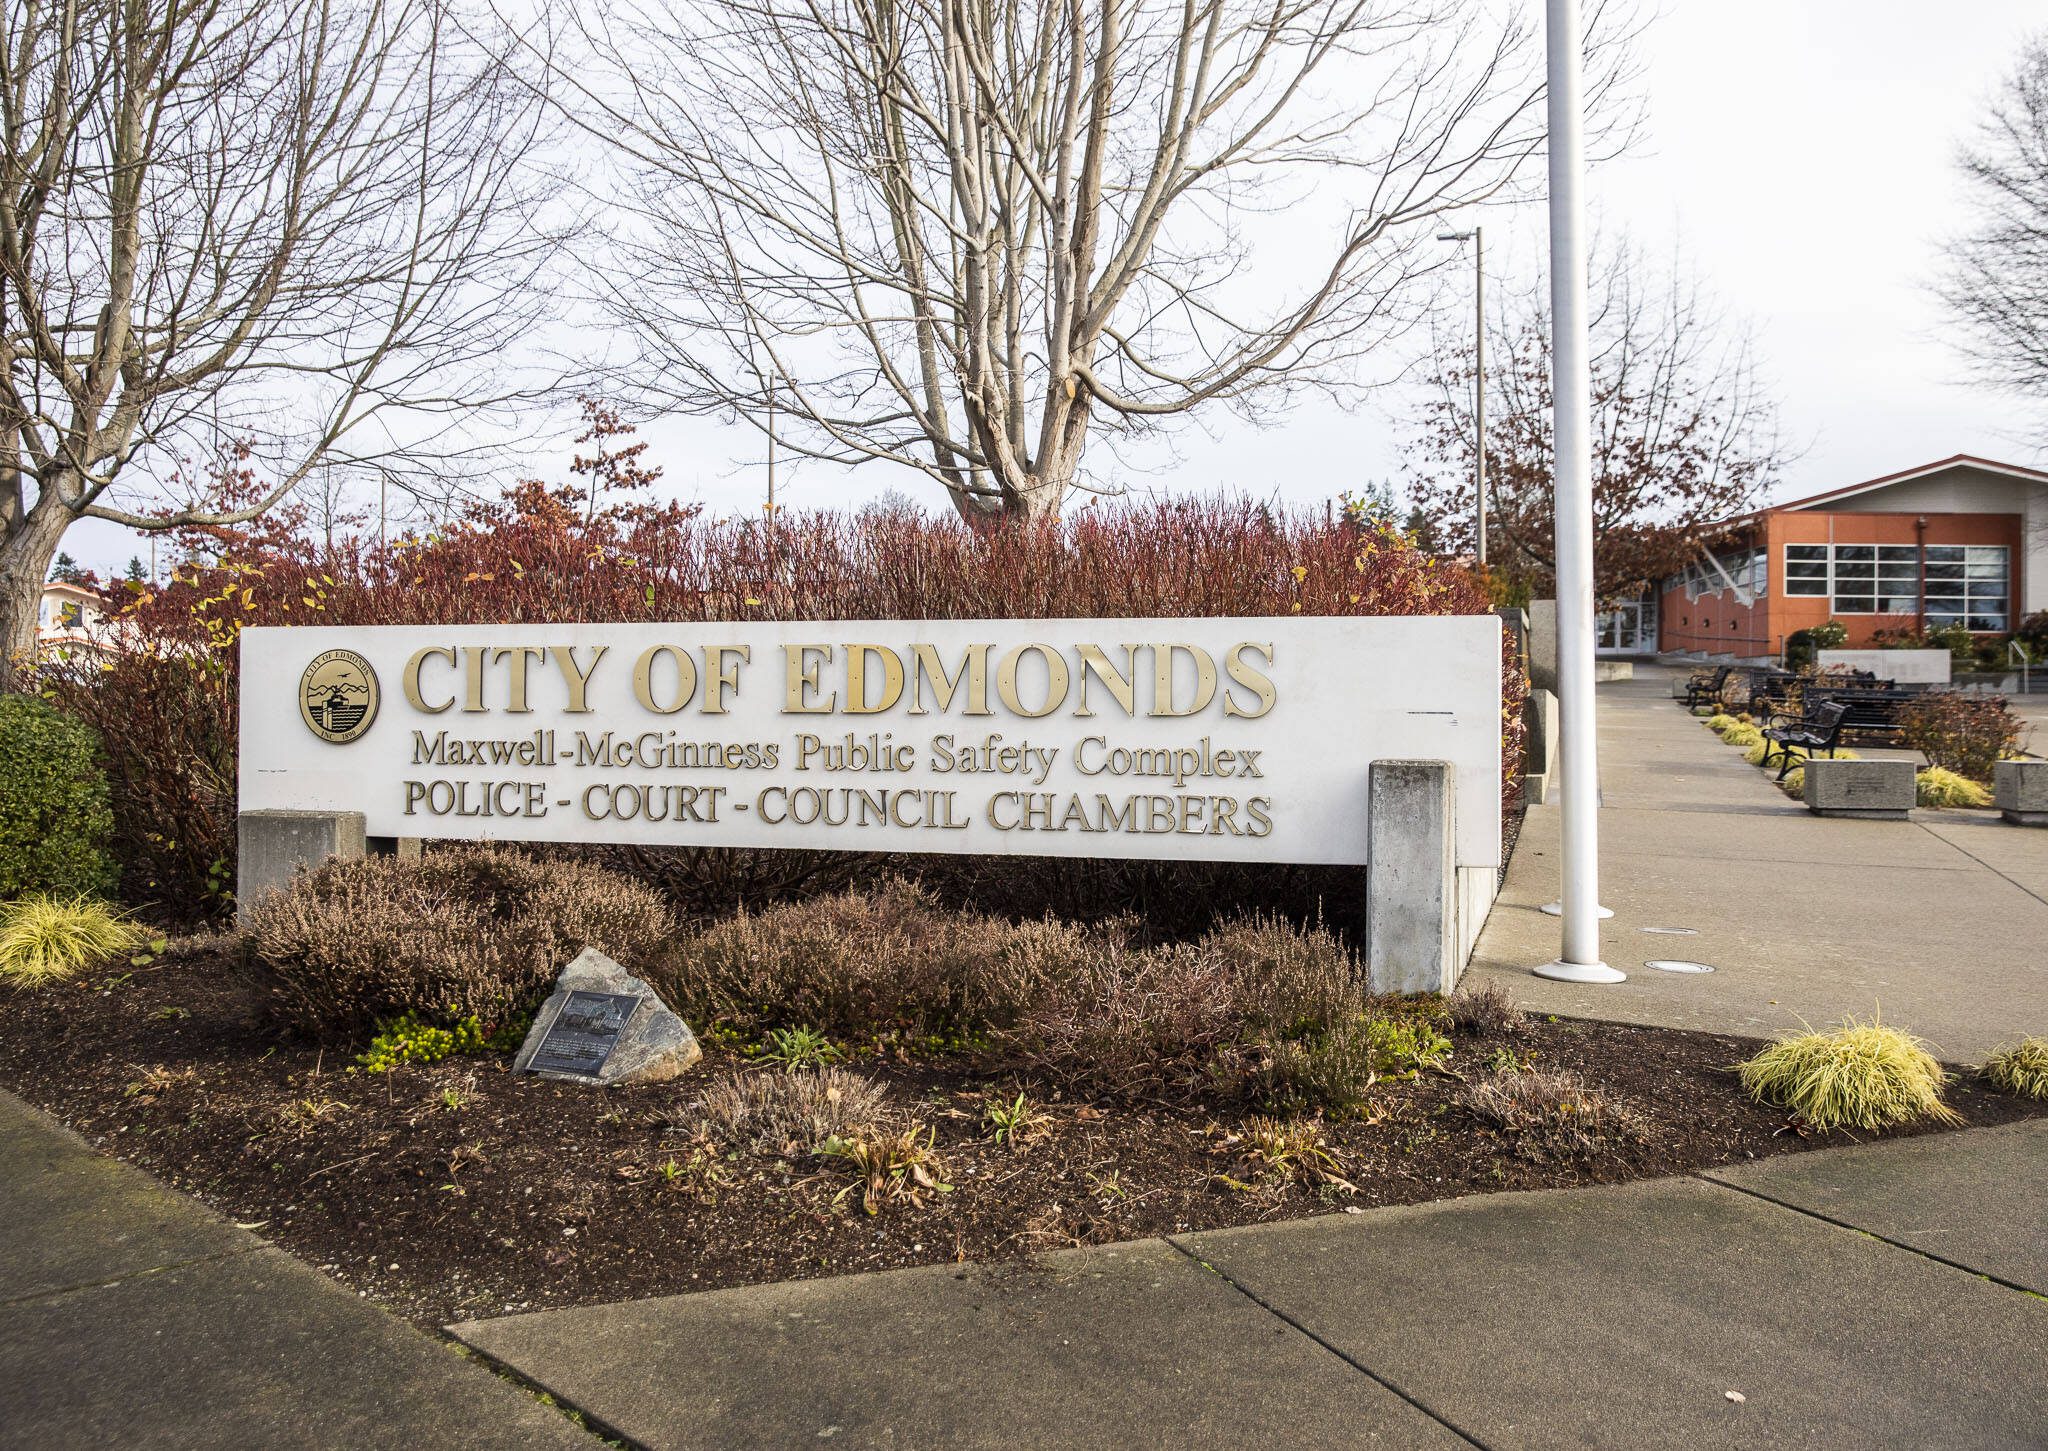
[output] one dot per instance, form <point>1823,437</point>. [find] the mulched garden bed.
<point>457,1191</point>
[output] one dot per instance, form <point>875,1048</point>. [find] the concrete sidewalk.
<point>1940,922</point>
<point>1889,1295</point>
<point>132,1317</point>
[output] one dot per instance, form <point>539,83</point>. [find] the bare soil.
<point>457,1190</point>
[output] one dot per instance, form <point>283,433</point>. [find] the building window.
<point>1966,584</point>
<point>1898,579</point>
<point>1806,569</point>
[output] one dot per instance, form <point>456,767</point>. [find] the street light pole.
<point>1477,236</point>
<point>1572,473</point>
<point>1479,377</point>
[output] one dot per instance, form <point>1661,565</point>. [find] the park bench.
<point>1873,710</point>
<point>1818,728</point>
<point>1704,688</point>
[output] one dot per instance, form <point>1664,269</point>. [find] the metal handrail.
<point>2016,653</point>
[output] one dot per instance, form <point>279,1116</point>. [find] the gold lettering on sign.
<point>521,656</point>
<point>857,702</point>
<point>411,678</point>
<point>578,680</point>
<point>1162,680</point>
<point>1123,684</point>
<point>719,677</point>
<point>472,679</point>
<point>1057,677</point>
<point>1250,677</point>
<point>643,678</point>
<point>973,670</point>
<point>802,680</point>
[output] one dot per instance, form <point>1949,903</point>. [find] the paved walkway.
<point>1940,922</point>
<point>130,1316</point>
<point>1890,1295</point>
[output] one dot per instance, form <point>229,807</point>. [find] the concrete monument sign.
<point>1219,739</point>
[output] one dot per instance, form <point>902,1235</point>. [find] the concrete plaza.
<point>1940,922</point>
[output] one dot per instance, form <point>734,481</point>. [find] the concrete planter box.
<point>1879,790</point>
<point>2020,791</point>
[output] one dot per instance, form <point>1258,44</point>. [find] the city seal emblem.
<point>338,696</point>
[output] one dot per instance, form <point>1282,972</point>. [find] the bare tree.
<point>299,231</point>
<point>1996,274</point>
<point>1685,430</point>
<point>961,235</point>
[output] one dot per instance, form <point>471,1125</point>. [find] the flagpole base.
<point>1556,909</point>
<point>1562,971</point>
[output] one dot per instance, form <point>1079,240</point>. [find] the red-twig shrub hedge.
<point>167,710</point>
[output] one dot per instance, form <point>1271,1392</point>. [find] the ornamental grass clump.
<point>1486,1011</point>
<point>781,1111</point>
<point>1720,723</point>
<point>45,940</point>
<point>2020,1069</point>
<point>1939,787</point>
<point>1547,1114</point>
<point>1858,1076</point>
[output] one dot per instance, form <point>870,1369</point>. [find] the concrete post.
<point>1543,644</point>
<point>2020,791</point>
<point>1411,877</point>
<point>270,846</point>
<point>1539,746</point>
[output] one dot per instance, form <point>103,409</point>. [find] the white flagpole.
<point>1579,786</point>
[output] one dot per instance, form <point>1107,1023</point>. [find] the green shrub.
<point>1721,722</point>
<point>1802,646</point>
<point>1743,736</point>
<point>1403,1047</point>
<point>468,932</point>
<point>1860,1075</point>
<point>54,818</point>
<point>44,940</point>
<point>406,1040</point>
<point>2021,1069</point>
<point>1936,787</point>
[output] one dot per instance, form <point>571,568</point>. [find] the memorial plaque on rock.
<point>584,1033</point>
<point>603,1025</point>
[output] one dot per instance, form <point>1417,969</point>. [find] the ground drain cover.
<point>1674,931</point>
<point>1672,964</point>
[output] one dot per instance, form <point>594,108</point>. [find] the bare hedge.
<point>464,932</point>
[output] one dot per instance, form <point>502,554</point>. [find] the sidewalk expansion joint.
<point>9,1301</point>
<point>1706,1177</point>
<point>592,1426</point>
<point>1981,862</point>
<point>1365,1370</point>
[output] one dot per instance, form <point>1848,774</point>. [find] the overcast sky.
<point>1803,157</point>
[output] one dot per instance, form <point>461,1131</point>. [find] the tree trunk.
<point>25,555</point>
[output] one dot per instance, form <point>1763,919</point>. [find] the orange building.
<point>1960,541</point>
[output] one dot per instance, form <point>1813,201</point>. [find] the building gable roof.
<point>1961,460</point>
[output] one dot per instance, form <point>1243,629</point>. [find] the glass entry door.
<point>1623,630</point>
